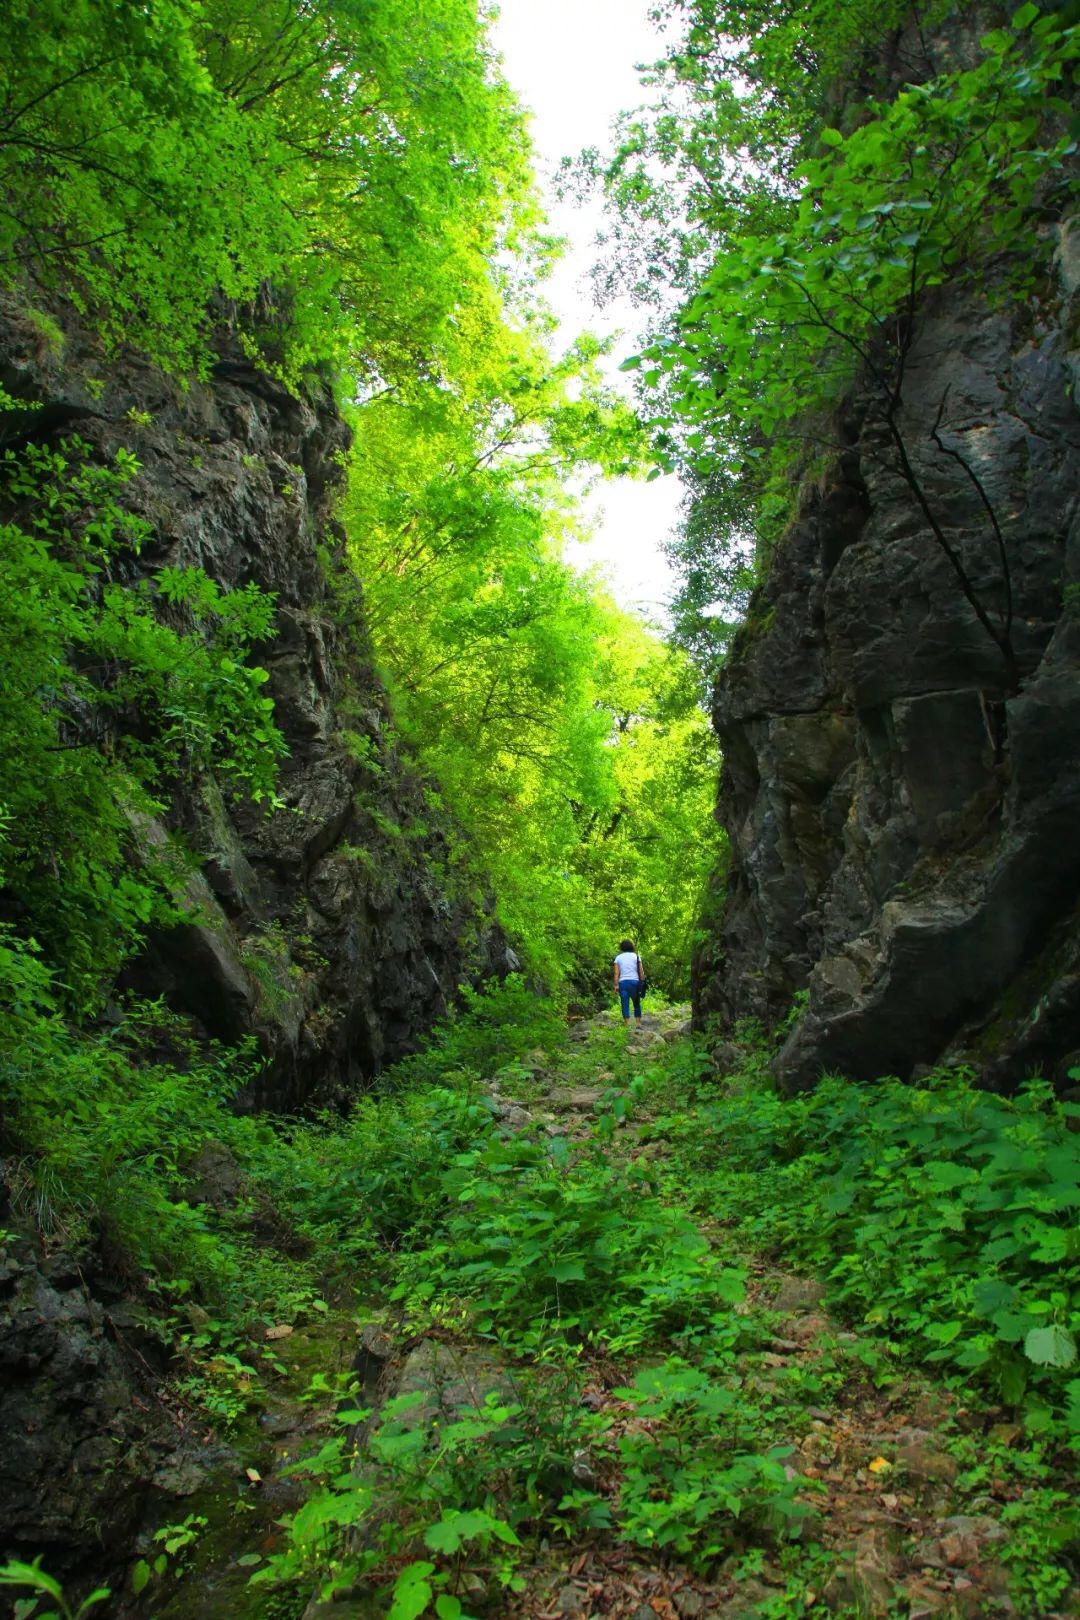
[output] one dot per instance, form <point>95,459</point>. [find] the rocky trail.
<point>900,1486</point>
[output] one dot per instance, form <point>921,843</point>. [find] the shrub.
<point>940,1213</point>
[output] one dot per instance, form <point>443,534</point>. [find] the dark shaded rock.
<point>81,1434</point>
<point>373,1357</point>
<point>902,813</point>
<point>325,927</point>
<point>214,1177</point>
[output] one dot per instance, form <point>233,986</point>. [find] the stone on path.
<point>797,1294</point>
<point>924,1463</point>
<point>579,1098</point>
<point>452,1382</point>
<point>868,1582</point>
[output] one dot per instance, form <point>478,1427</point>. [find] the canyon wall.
<point>332,927</point>
<point>904,812</point>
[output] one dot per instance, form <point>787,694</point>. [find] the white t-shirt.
<point>626,962</point>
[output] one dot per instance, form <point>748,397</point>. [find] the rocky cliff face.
<point>903,817</point>
<point>331,929</point>
<point>328,928</point>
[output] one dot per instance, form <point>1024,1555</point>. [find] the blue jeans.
<point>630,991</point>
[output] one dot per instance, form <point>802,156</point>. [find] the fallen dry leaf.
<point>281,1331</point>
<point>880,1465</point>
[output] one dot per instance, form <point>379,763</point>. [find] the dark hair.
<point>627,945</point>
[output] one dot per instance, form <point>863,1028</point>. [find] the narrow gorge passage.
<point>493,497</point>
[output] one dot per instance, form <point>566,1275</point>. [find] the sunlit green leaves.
<point>157,159</point>
<point>104,705</point>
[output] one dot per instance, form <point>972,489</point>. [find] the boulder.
<point>797,1294</point>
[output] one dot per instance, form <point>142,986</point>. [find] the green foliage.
<point>943,1215</point>
<point>110,695</point>
<point>423,1486</point>
<point>174,1539</point>
<point>940,181</point>
<point>565,738</point>
<point>32,1578</point>
<point>1044,1533</point>
<point>591,1254</point>
<point>377,1179</point>
<point>104,1132</point>
<point>153,163</point>
<point>687,1474</point>
<point>489,1029</point>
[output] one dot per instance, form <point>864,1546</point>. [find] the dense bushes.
<point>942,1215</point>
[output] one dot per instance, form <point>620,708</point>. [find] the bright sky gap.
<point>572,63</point>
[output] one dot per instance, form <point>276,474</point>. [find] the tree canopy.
<point>345,190</point>
<point>806,176</point>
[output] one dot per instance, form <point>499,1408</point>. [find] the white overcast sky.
<point>572,63</point>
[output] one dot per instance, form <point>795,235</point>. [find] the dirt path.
<point>888,1529</point>
<point>899,1487</point>
<point>897,1478</point>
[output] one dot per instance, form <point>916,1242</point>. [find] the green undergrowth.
<point>607,1274</point>
<point>942,1216</point>
<point>532,1241</point>
<point>108,1128</point>
<point>578,1260</point>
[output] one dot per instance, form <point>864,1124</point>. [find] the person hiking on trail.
<point>629,979</point>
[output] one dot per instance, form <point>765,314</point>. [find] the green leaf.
<point>1052,1346</point>
<point>946,1175</point>
<point>1024,17</point>
<point>504,1533</point>
<point>831,137</point>
<point>944,1332</point>
<point>992,1294</point>
<point>1013,1381</point>
<point>16,1573</point>
<point>100,1594</point>
<point>140,1575</point>
<point>412,1592</point>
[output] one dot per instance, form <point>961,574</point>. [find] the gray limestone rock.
<point>901,814</point>
<point>797,1294</point>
